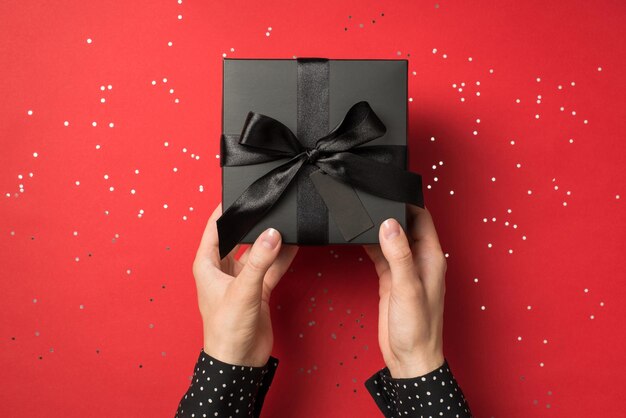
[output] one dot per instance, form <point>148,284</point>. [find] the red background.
<point>99,307</point>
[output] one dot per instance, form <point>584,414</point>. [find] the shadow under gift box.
<point>269,87</point>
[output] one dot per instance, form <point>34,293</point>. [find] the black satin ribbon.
<point>337,154</point>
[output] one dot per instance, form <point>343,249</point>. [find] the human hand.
<point>411,274</point>
<point>233,295</point>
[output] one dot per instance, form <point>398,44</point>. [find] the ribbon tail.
<point>253,204</point>
<point>385,180</point>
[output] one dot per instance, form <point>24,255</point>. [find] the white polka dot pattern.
<point>220,389</point>
<point>432,395</point>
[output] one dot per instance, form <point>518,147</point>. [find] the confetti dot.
<point>477,120</point>
<point>165,80</point>
<point>89,40</point>
<point>451,192</point>
<point>483,307</point>
<point>599,68</point>
<point>30,113</point>
<point>475,279</point>
<point>591,316</point>
<point>529,307</point>
<point>94,123</point>
<point>169,43</point>
<point>545,341</point>
<point>493,179</point>
<point>180,17</point>
<point>102,100</point>
<point>77,183</point>
<point>489,245</point>
<point>519,338</point>
<point>538,79</point>
<point>475,133</point>
<point>111,124</point>
<point>35,154</point>
<point>66,123</point>
<point>469,59</point>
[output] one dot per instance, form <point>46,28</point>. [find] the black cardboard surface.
<point>269,86</point>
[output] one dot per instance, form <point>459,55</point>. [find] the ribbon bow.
<point>336,154</point>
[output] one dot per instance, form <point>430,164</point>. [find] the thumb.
<point>395,247</point>
<point>262,255</point>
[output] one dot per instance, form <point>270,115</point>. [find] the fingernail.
<point>391,228</point>
<point>270,238</point>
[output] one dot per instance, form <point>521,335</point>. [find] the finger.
<point>395,247</point>
<point>209,244</point>
<point>431,261</point>
<point>422,229</point>
<point>279,267</point>
<point>262,255</point>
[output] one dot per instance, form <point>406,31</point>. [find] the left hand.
<point>233,295</point>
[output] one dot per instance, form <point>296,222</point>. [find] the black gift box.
<point>305,99</point>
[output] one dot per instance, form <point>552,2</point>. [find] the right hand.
<point>411,274</point>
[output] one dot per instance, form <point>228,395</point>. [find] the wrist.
<point>415,366</point>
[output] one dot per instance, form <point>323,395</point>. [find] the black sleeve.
<point>226,390</point>
<point>435,394</point>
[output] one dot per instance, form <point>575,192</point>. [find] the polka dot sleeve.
<point>435,394</point>
<point>220,389</point>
